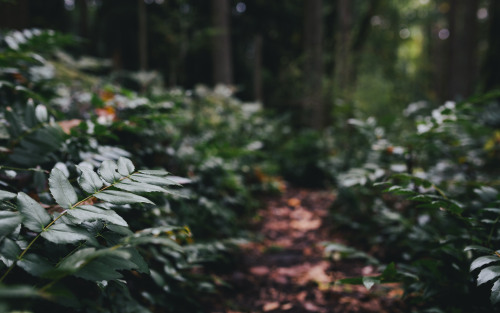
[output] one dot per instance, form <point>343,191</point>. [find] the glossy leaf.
<point>9,221</point>
<point>495,292</point>
<point>481,261</point>
<point>109,171</point>
<point>488,274</point>
<point>9,251</point>
<point>133,186</point>
<point>63,233</point>
<point>61,189</point>
<point>89,180</point>
<point>5,195</point>
<point>154,180</point>
<point>35,218</point>
<point>35,264</point>
<point>91,213</point>
<point>120,197</point>
<point>41,113</point>
<point>125,166</point>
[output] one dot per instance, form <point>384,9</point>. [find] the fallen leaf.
<point>270,306</point>
<point>67,125</point>
<point>293,202</point>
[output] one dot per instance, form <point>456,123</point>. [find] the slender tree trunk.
<point>257,68</point>
<point>142,35</point>
<point>463,53</point>
<point>222,61</point>
<point>343,58</point>
<point>313,66</point>
<point>491,66</point>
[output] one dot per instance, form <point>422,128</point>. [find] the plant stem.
<point>23,169</point>
<point>52,223</point>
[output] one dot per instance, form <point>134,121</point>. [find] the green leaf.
<point>63,233</point>
<point>89,180</point>
<point>495,292</point>
<point>9,251</point>
<point>41,113</point>
<point>125,166</point>
<point>20,291</point>
<point>477,248</point>
<point>8,222</point>
<point>61,189</point>
<point>35,264</point>
<point>486,193</point>
<point>35,218</point>
<point>488,274</point>
<point>5,195</point>
<point>154,180</point>
<point>109,171</point>
<point>121,197</point>
<point>369,282</point>
<point>95,265</point>
<point>133,186</point>
<point>481,261</point>
<point>154,172</point>
<point>91,213</point>
<point>29,115</point>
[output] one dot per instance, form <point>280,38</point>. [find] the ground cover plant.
<point>433,207</point>
<point>118,231</point>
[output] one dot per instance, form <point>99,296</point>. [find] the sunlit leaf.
<point>495,292</point>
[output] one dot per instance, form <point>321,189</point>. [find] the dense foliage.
<point>429,205</point>
<point>81,229</point>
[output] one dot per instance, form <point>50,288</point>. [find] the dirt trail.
<point>286,271</point>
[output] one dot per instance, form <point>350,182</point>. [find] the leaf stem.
<point>52,223</point>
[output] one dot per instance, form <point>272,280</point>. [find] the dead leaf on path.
<point>259,270</point>
<point>293,202</point>
<point>306,224</point>
<point>270,306</point>
<point>287,306</point>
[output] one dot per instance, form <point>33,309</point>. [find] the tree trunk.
<point>313,66</point>
<point>491,66</point>
<point>257,69</point>
<point>463,50</point>
<point>142,36</point>
<point>222,61</point>
<point>343,59</point>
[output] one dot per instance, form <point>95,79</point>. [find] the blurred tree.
<point>463,62</point>
<point>313,66</point>
<point>222,61</point>
<point>491,65</point>
<point>142,35</point>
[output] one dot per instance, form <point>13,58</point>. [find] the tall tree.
<point>313,66</point>
<point>222,60</point>
<point>463,67</point>
<point>491,66</point>
<point>142,35</point>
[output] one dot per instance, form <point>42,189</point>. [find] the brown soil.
<point>286,271</point>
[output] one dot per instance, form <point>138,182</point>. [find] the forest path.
<point>285,271</point>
